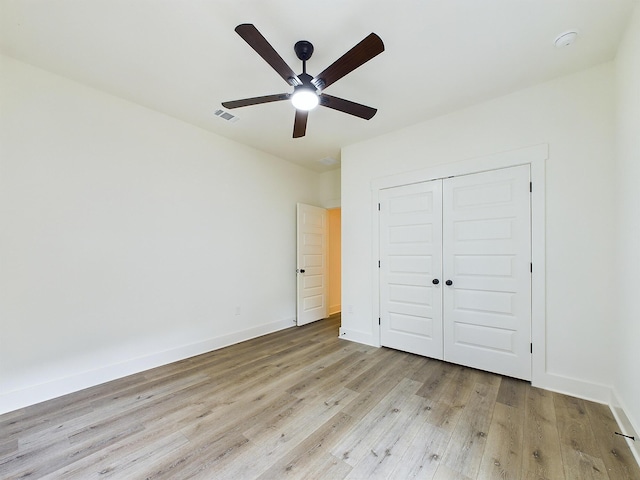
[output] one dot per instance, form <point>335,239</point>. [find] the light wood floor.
<point>303,404</point>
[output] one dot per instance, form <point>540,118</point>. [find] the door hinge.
<point>531,347</point>
<point>378,263</point>
<point>531,267</point>
<point>378,207</point>
<point>379,321</point>
<point>530,187</point>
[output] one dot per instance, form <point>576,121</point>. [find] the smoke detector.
<point>565,39</point>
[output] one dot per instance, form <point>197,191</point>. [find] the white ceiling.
<point>182,57</point>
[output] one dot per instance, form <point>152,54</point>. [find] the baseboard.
<point>41,392</point>
<point>333,309</point>
<point>358,337</point>
<point>626,424</point>
<point>574,387</point>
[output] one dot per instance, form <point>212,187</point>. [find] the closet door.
<point>410,268</point>
<point>486,257</point>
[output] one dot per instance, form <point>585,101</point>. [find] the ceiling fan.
<point>308,90</point>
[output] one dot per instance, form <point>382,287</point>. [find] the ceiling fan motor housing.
<point>305,78</point>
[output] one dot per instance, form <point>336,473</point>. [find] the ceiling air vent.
<point>226,116</point>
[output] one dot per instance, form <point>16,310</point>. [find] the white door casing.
<point>487,257</point>
<point>311,273</point>
<point>410,261</point>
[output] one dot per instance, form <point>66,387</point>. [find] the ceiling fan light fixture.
<point>308,91</point>
<point>304,98</point>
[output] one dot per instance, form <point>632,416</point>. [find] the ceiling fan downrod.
<point>304,50</point>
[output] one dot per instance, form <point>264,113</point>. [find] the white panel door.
<point>486,257</point>
<point>312,264</point>
<point>410,268</point>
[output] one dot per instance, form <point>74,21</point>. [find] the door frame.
<point>535,157</point>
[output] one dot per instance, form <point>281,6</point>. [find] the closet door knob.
<point>449,282</point>
<point>435,281</point>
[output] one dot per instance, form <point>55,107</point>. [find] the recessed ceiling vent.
<point>226,116</point>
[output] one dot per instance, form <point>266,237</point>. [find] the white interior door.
<point>486,257</point>
<point>312,264</point>
<point>410,268</point>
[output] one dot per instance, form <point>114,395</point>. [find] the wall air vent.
<point>226,116</point>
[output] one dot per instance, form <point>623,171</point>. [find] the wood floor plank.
<point>502,457</point>
<point>308,458</point>
<point>198,459</point>
<point>100,432</point>
<point>446,473</point>
<point>422,457</point>
<point>57,455</point>
<point>436,379</point>
<point>387,452</point>
<point>453,398</point>
<point>581,465</point>
<point>614,451</point>
<point>8,447</point>
<point>133,410</point>
<point>304,404</point>
<point>383,361</point>
<point>282,433</point>
<point>294,424</point>
<point>130,461</point>
<point>468,440</point>
<point>360,440</point>
<point>33,422</point>
<point>326,467</point>
<point>114,458</point>
<point>512,392</point>
<point>324,376</point>
<point>238,416</point>
<point>541,444</point>
<point>574,428</point>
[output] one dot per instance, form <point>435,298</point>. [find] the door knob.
<point>449,282</point>
<point>302,270</point>
<point>435,281</point>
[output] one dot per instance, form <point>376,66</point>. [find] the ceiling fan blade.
<point>256,100</point>
<point>254,38</point>
<point>300,123</point>
<point>363,52</point>
<point>347,106</point>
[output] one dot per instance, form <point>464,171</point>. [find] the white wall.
<point>330,188</point>
<point>575,116</point>
<point>627,277</point>
<point>129,238</point>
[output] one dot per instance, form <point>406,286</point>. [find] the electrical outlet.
<point>238,311</point>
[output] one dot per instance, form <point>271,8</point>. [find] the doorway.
<point>318,263</point>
